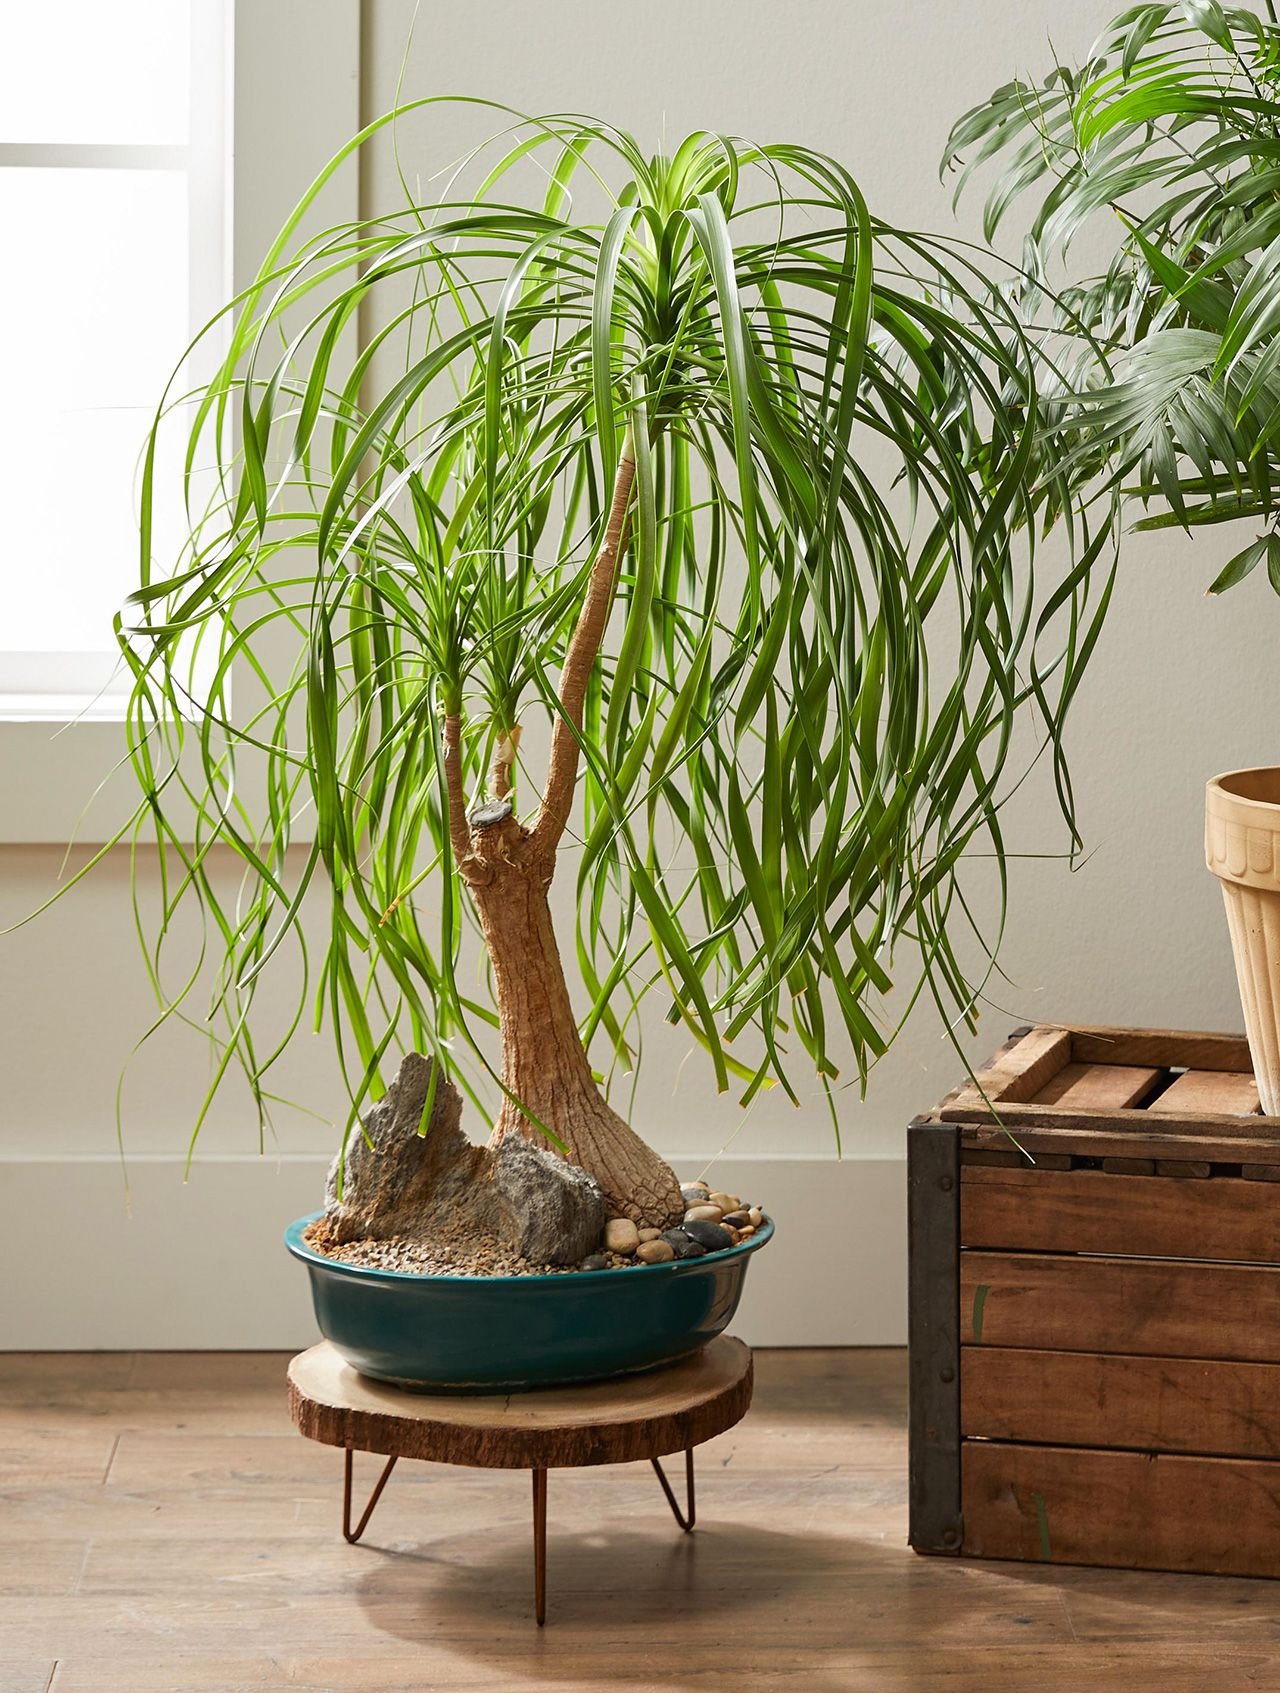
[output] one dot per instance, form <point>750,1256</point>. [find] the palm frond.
<point>1171,130</point>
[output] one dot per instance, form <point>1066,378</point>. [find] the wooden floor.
<point>165,1531</point>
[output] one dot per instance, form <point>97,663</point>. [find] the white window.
<point>114,202</point>
<point>117,122</point>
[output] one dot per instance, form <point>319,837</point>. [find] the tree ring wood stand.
<point>645,1416</point>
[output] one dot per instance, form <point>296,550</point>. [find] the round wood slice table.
<point>603,1422</point>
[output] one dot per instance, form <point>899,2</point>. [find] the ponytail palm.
<point>716,489</point>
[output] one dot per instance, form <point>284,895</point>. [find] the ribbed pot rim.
<point>1230,792</point>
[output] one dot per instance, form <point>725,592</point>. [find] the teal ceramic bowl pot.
<point>501,1334</point>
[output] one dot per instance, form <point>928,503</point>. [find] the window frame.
<point>293,99</point>
<point>58,687</point>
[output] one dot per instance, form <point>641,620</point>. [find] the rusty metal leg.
<point>350,1534</point>
<point>540,1546</point>
<point>686,1520</point>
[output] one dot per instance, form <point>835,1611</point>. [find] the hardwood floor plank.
<point>25,1676</point>
<point>47,1564</point>
<point>54,1455</point>
<point>624,1597</point>
<point>63,1372</point>
<point>1101,1669</point>
<point>182,1392</point>
<point>1139,1606</point>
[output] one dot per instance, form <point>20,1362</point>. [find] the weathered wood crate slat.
<point>1037,1210</point>
<point>1191,1405</point>
<point>1095,1306</point>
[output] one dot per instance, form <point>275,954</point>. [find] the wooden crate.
<point>1095,1310</point>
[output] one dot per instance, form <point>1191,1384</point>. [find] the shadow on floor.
<point>643,1602</point>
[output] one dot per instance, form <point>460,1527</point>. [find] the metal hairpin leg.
<point>353,1534</point>
<point>686,1521</point>
<point>685,1518</point>
<point>540,1546</point>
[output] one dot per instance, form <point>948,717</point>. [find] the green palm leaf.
<point>1171,131</point>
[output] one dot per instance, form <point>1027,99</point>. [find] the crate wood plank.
<point>933,1335</point>
<point>1151,1307</point>
<point>1185,1169</point>
<point>1223,1093</point>
<point>1184,1142</point>
<point>1006,1158</point>
<point>990,1063</point>
<point>1029,1210</point>
<point>1012,1159</point>
<point>1028,1115</point>
<point>1019,1070</point>
<point>1189,1405</point>
<point>1181,1049</point>
<point>1097,1087</point>
<point>1125,1510</point>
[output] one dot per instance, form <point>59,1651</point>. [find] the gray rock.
<point>549,1211</point>
<point>597,1261</point>
<point>485,816</point>
<point>710,1236</point>
<point>398,1182</point>
<point>395,1181</point>
<point>737,1219</point>
<point>683,1244</point>
<point>695,1193</point>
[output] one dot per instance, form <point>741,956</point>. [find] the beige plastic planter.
<point>1242,848</point>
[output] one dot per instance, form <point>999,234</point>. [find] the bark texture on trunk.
<point>508,870</point>
<point>544,1063</point>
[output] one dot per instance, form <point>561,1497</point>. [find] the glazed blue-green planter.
<point>500,1334</point>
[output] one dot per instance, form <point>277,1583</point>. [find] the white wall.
<point>1136,935</point>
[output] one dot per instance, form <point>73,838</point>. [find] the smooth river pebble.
<point>703,1214</point>
<point>683,1245</point>
<point>708,1235</point>
<point>621,1235</point>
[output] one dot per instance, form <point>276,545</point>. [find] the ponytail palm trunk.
<point>731,486</point>
<point>546,1077</point>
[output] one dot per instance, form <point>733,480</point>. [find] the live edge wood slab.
<point>645,1416</point>
<point>601,1422</point>
<point>1095,1306</point>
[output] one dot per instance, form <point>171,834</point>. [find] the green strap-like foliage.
<point>827,619</point>
<point>1170,132</point>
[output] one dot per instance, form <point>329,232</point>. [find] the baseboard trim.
<point>199,1264</point>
